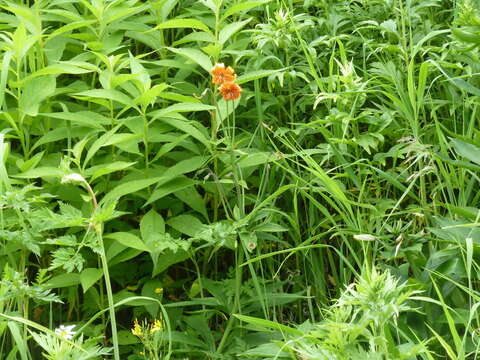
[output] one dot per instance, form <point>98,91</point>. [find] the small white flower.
<point>65,331</point>
<point>73,178</point>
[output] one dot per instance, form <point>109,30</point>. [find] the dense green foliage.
<point>332,212</point>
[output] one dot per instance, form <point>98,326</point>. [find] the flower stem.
<point>108,285</point>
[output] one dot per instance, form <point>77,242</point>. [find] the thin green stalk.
<point>145,140</point>
<point>106,274</point>
<point>236,301</point>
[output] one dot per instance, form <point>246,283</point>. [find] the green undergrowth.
<point>331,212</point>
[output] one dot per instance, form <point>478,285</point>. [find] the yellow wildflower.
<point>156,326</point>
<point>137,329</point>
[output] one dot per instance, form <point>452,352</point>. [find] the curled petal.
<point>222,75</point>
<point>230,91</point>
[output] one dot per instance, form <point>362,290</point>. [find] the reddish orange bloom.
<point>230,91</point>
<point>222,75</point>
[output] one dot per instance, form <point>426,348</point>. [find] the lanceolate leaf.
<point>128,240</point>
<point>257,74</point>
<point>35,91</point>
<point>129,188</point>
<point>469,151</point>
<point>195,56</point>
<point>183,23</point>
<point>228,31</point>
<point>243,6</point>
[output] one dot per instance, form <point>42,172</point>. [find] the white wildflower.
<point>65,331</point>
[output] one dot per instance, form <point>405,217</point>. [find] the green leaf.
<point>129,240</point>
<point>110,94</point>
<point>195,37</point>
<point>188,128</point>
<point>57,134</point>
<point>243,6</point>
<point>7,57</point>
<point>186,224</point>
<point>167,259</point>
<point>104,169</point>
<point>194,55</point>
<point>255,159</point>
<point>89,277</point>
<point>109,138</point>
<point>185,166</point>
<point>183,23</point>
<point>128,188</point>
<point>192,198</point>
<point>141,73</point>
<point>469,151</point>
<point>125,337</point>
<point>182,107</point>
<point>211,4</point>
<point>40,172</point>
<point>270,227</point>
<point>268,324</point>
<point>229,30</point>
<point>258,74</point>
<point>460,83</point>
<point>63,280</point>
<point>35,91</point>
<point>170,187</point>
<point>82,118</point>
<point>20,342</point>
<point>63,67</point>
<point>152,223</point>
<point>69,27</point>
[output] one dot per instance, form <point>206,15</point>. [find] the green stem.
<point>111,309</point>
<point>236,302</point>
<point>145,140</point>
<point>106,274</point>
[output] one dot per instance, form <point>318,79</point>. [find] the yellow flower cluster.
<point>146,329</point>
